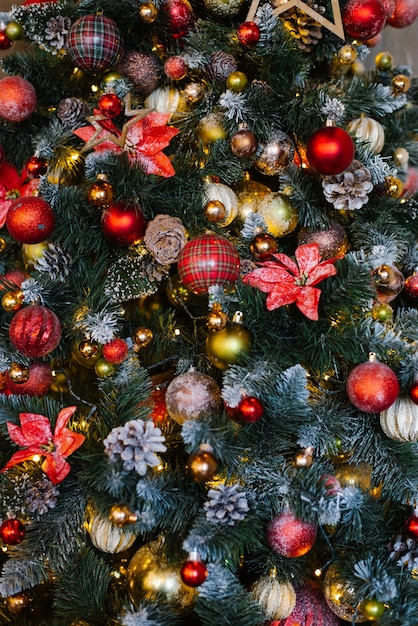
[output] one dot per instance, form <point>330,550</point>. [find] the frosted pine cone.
<point>303,28</point>
<point>164,238</point>
<point>348,190</point>
<point>70,110</point>
<point>42,496</point>
<point>135,444</point>
<point>221,64</point>
<point>54,262</point>
<point>226,505</point>
<point>56,31</point>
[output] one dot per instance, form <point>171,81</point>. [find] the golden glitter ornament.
<point>142,337</point>
<point>151,575</point>
<point>202,464</point>
<point>193,92</point>
<point>18,373</point>
<point>340,596</point>
<point>393,187</point>
<point>12,301</point>
<point>279,214</point>
<point>148,12</point>
<point>121,515</point>
<point>216,319</point>
<point>400,84</point>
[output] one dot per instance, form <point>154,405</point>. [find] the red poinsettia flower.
<point>35,435</point>
<point>143,139</point>
<point>287,281</point>
<point>13,185</point>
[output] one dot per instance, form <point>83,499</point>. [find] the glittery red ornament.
<point>411,527</point>
<point>413,392</point>
<point>110,105</point>
<point>372,387</point>
<point>330,150</point>
<point>311,609</point>
<point>404,14</point>
<point>180,17</point>
<point>115,351</point>
<point>36,167</point>
<point>175,68</point>
<point>206,260</point>
<point>123,224</point>
<point>159,413</point>
<point>193,573</point>
<point>248,34</point>
<point>290,536</point>
<point>411,286</point>
<point>389,6</point>
<point>35,331</point>
<point>12,532</point>
<point>30,219</point>
<point>5,42</point>
<point>17,98</point>
<point>363,19</point>
<point>249,409</point>
<point>94,42</point>
<point>15,277</point>
<point>38,383</point>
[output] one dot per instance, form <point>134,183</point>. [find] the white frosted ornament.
<point>192,395</point>
<point>368,130</point>
<point>165,100</point>
<point>276,599</point>
<point>224,194</point>
<point>108,537</point>
<point>400,421</point>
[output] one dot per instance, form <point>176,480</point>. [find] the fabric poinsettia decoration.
<point>287,281</point>
<point>13,185</point>
<point>143,139</point>
<point>35,435</point>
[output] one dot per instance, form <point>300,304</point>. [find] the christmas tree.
<point>208,266</point>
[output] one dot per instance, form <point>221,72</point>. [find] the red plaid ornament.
<point>94,43</point>
<point>208,260</point>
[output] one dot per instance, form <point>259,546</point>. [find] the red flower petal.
<point>158,164</point>
<point>55,467</point>
<point>282,294</point>
<point>307,302</point>
<point>323,270</point>
<point>308,257</point>
<point>264,278</point>
<point>23,455</point>
<point>288,263</point>
<point>36,430</point>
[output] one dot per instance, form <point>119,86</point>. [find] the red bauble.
<point>411,286</point>
<point>110,105</point>
<point>193,573</point>
<point>290,536</point>
<point>411,527</point>
<point>12,532</point>
<point>175,68</point>
<point>363,19</point>
<point>123,224</point>
<point>206,260</point>
<point>330,150</point>
<point>389,6</point>
<point>372,387</point>
<point>249,409</point>
<point>36,167</point>
<point>17,98</point>
<point>94,42</point>
<point>35,331</point>
<point>30,219</point>
<point>404,14</point>
<point>115,351</point>
<point>248,34</point>
<point>5,42</point>
<point>180,17</point>
<point>15,277</point>
<point>311,609</point>
<point>38,383</point>
<point>413,392</point>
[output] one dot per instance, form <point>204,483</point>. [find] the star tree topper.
<point>335,27</point>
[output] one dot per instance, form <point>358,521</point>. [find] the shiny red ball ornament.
<point>248,34</point>
<point>115,351</point>
<point>17,98</point>
<point>35,331</point>
<point>290,536</point>
<point>123,224</point>
<point>330,150</point>
<point>363,19</point>
<point>12,532</point>
<point>404,14</point>
<point>36,167</point>
<point>180,17</point>
<point>413,392</point>
<point>30,219</point>
<point>5,42</point>
<point>38,383</point>
<point>110,105</point>
<point>206,260</point>
<point>411,527</point>
<point>249,409</point>
<point>193,573</point>
<point>411,286</point>
<point>372,387</point>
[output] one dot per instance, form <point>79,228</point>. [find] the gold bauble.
<point>18,373</point>
<point>150,575</point>
<point>104,369</point>
<point>191,396</point>
<point>372,609</point>
<point>303,458</point>
<point>193,92</point>
<point>243,143</point>
<point>105,535</point>
<point>279,214</point>
<point>67,169</point>
<point>393,187</point>
<point>148,12</point>
<point>216,319</point>
<point>340,596</point>
<point>401,157</point>
<point>400,84</point>
<point>142,337</point>
<point>211,128</point>
<point>202,464</point>
<point>236,81</point>
<point>249,193</point>
<point>347,54</point>
<point>354,475</point>
<point>18,602</point>
<point>382,312</point>
<point>121,515</point>
<point>32,252</point>
<point>110,77</point>
<point>12,300</point>
<point>389,282</point>
<point>276,599</point>
<point>165,100</point>
<point>384,61</point>
<point>86,353</point>
<point>262,246</point>
<point>224,194</point>
<point>274,155</point>
<point>368,130</point>
<point>215,211</point>
<point>226,347</point>
<point>400,421</point>
<point>100,193</point>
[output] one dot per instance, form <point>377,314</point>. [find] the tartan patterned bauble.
<point>35,331</point>
<point>94,43</point>
<point>207,260</point>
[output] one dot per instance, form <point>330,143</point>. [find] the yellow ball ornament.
<point>32,252</point>
<point>384,61</point>
<point>225,347</point>
<point>142,337</point>
<point>279,214</point>
<point>400,84</point>
<point>104,369</point>
<point>237,81</point>
<point>249,193</point>
<point>148,12</point>
<point>12,301</point>
<point>211,128</point>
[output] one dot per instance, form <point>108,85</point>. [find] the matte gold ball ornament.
<point>211,128</point>
<point>203,464</point>
<point>18,373</point>
<point>12,301</point>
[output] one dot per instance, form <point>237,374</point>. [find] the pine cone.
<point>42,496</point>
<point>302,27</point>
<point>70,110</point>
<point>221,64</point>
<point>54,262</point>
<point>164,238</point>
<point>226,505</point>
<point>56,31</point>
<point>348,190</point>
<point>135,444</point>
